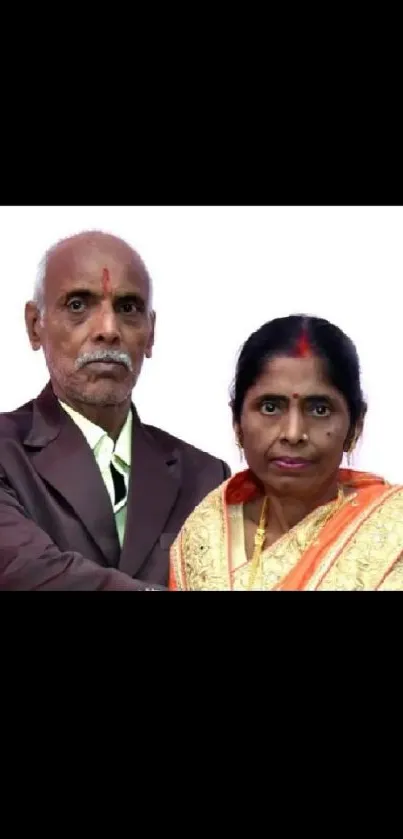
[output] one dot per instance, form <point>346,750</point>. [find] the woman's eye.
<point>321,410</point>
<point>268,407</point>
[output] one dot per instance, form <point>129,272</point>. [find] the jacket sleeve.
<point>226,470</point>
<point>29,561</point>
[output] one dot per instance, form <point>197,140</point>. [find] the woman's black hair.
<point>298,335</point>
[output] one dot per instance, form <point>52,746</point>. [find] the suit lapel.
<point>63,458</point>
<point>154,485</point>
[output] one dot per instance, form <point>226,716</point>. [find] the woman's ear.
<point>237,431</point>
<point>238,435</point>
<point>354,433</point>
<point>359,428</point>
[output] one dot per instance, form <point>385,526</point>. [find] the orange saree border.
<point>176,576</point>
<point>368,494</point>
<point>335,536</point>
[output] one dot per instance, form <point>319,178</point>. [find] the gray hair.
<point>39,286</point>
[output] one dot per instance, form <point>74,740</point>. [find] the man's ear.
<point>150,342</point>
<point>33,323</point>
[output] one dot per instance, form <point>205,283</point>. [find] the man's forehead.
<point>72,263</point>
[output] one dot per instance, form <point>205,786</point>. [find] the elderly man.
<point>90,498</point>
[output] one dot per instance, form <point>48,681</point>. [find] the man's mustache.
<point>104,355</point>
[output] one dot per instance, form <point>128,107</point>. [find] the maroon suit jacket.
<point>57,528</point>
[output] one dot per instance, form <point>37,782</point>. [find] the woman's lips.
<point>291,463</point>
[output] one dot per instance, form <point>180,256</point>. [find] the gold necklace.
<point>261,533</point>
<point>258,544</point>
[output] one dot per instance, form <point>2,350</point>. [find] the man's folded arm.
<point>29,561</point>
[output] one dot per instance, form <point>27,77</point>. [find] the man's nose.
<point>106,325</point>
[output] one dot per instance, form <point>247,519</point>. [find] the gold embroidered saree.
<point>359,548</point>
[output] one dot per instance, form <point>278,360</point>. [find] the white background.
<point>219,273</point>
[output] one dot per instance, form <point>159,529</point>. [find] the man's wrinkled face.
<point>96,326</point>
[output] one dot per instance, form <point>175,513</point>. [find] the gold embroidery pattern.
<point>338,544</point>
<point>202,545</point>
<point>394,580</point>
<point>376,545</point>
<point>281,557</point>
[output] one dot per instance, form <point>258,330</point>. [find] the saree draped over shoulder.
<point>358,548</point>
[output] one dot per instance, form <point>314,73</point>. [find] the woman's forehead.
<point>288,376</point>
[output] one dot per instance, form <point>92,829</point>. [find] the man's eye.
<point>128,307</point>
<point>76,305</point>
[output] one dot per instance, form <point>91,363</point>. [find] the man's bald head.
<point>92,316</point>
<point>63,255</point>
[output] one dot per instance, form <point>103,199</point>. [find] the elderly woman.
<point>295,520</point>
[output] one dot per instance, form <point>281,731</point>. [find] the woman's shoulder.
<point>214,501</point>
<point>394,494</point>
<point>385,504</point>
<point>234,491</point>
<point>397,488</point>
<point>358,480</point>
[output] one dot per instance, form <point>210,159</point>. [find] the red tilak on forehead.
<point>106,281</point>
<point>303,347</point>
<point>295,396</point>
